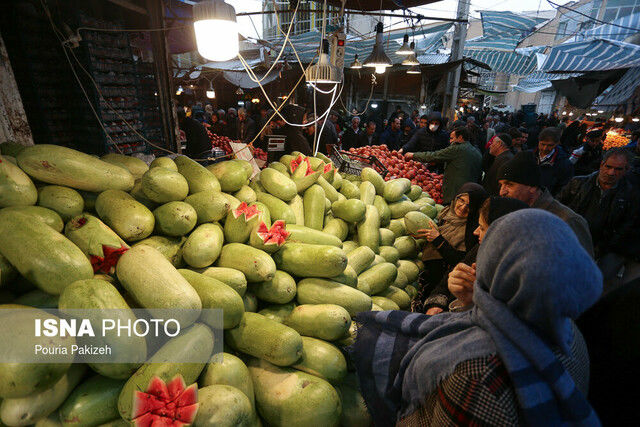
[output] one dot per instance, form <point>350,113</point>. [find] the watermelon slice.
<point>271,239</point>
<point>327,168</point>
<point>165,405</point>
<point>107,263</point>
<point>295,163</point>
<point>246,210</point>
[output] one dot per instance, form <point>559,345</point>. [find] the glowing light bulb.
<point>216,30</point>
<point>380,69</point>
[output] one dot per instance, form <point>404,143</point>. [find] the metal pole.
<point>163,72</point>
<point>457,49</point>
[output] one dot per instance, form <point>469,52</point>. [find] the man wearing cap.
<point>520,179</point>
<point>500,153</point>
<point>586,159</point>
<point>351,134</point>
<point>610,203</point>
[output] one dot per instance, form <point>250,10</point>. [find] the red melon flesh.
<point>295,163</point>
<point>310,170</point>
<point>327,168</point>
<point>165,405</point>
<point>276,235</point>
<point>246,210</point>
<point>107,263</point>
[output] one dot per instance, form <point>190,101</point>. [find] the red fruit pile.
<point>221,142</point>
<point>399,167</point>
<point>259,153</point>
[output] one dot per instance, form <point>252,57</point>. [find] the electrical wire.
<point>557,6</point>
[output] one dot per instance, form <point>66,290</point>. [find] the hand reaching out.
<point>408,156</point>
<point>461,281</point>
<point>434,310</point>
<point>430,234</point>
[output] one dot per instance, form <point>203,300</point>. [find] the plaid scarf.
<point>523,307</point>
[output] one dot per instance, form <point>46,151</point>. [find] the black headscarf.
<point>500,206</point>
<point>477,195</point>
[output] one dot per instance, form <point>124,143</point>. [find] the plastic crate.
<point>353,164</point>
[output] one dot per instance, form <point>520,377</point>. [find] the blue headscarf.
<point>533,277</point>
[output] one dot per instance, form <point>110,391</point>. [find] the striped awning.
<point>504,62</point>
<point>593,55</point>
<point>499,23</point>
<point>620,92</point>
<point>614,30</point>
<point>428,40</point>
<point>539,80</point>
<point>506,42</point>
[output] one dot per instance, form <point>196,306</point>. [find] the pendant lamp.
<point>378,58</point>
<point>411,59</point>
<point>405,49</point>
<point>356,64</point>
<point>323,71</point>
<point>216,28</point>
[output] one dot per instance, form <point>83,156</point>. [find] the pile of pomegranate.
<point>399,167</point>
<point>221,142</point>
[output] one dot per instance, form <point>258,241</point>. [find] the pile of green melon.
<point>291,256</point>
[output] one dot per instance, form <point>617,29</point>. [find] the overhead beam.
<point>128,5</point>
<point>358,12</point>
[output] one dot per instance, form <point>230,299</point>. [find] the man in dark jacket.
<point>609,203</point>
<point>555,168</point>
<point>520,179</point>
<point>351,134</point>
<point>587,159</point>
<point>391,136</point>
<point>430,137</point>
<point>463,163</point>
<point>500,152</point>
<point>246,127</point>
<point>294,136</point>
<point>369,136</point>
<point>231,129</point>
<point>198,143</point>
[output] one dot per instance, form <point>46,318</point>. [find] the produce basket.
<point>353,164</point>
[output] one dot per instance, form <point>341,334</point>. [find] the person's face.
<point>454,138</point>
<point>482,228</point>
<point>546,147</point>
<point>434,125</point>
<point>385,122</point>
<point>355,123</point>
<point>461,207</point>
<point>242,116</point>
<point>371,129</point>
<point>424,123</point>
<point>333,118</point>
<point>522,192</point>
<point>496,146</point>
<point>214,118</point>
<point>612,170</point>
<point>395,125</point>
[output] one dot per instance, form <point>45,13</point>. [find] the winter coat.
<point>246,130</point>
<point>363,139</point>
<point>463,163</point>
<point>425,140</point>
<point>391,138</point>
<point>586,159</point>
<point>611,214</point>
<point>555,171</point>
<point>350,138</point>
<point>577,223</point>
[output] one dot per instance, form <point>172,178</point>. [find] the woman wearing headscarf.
<point>515,358</point>
<point>455,290</point>
<point>450,241</point>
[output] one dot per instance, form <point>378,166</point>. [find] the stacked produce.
<point>291,257</point>
<point>614,139</point>
<point>221,142</point>
<point>399,167</point>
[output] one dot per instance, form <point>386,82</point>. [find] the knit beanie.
<point>522,169</point>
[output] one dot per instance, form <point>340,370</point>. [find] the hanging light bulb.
<point>323,71</point>
<point>356,64</point>
<point>600,111</point>
<point>619,119</point>
<point>180,90</point>
<point>405,49</point>
<point>378,59</point>
<point>216,30</point>
<point>211,92</point>
<point>635,120</point>
<point>411,59</point>
<point>239,92</point>
<point>374,105</point>
<point>414,70</point>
